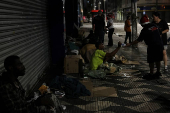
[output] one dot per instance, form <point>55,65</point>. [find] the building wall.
<point>147,7</point>
<point>153,2</point>
<point>126,3</point>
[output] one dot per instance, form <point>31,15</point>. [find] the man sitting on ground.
<point>12,94</point>
<point>100,56</point>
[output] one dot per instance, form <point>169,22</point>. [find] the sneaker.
<point>166,69</point>
<point>148,76</point>
<point>157,75</point>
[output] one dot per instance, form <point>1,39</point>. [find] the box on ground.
<point>71,63</point>
<point>99,91</point>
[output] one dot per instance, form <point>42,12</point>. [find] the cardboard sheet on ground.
<point>89,85</point>
<point>132,62</point>
<point>104,92</point>
<point>128,71</point>
<point>99,91</point>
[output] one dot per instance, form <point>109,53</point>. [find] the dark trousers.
<point>128,35</point>
<point>110,42</point>
<point>99,35</point>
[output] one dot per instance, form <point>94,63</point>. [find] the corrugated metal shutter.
<point>24,32</point>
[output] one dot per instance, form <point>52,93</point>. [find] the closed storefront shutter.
<point>24,32</point>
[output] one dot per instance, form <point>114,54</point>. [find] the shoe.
<point>157,75</point>
<point>148,76</point>
<point>166,69</point>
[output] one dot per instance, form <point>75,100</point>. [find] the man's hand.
<point>45,101</point>
<point>127,45</point>
<point>119,44</point>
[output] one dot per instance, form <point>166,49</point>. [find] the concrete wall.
<point>149,2</point>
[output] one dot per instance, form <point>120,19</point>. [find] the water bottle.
<point>123,44</point>
<point>36,95</point>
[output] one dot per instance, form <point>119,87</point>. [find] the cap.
<point>144,20</point>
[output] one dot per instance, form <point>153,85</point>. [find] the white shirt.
<point>110,22</point>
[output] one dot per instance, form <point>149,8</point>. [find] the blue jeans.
<point>128,34</point>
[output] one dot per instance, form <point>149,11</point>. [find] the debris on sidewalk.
<point>122,59</point>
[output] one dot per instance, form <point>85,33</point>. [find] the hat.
<point>144,20</point>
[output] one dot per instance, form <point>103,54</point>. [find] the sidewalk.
<point>134,94</point>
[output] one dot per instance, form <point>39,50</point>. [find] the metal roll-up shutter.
<point>24,32</point>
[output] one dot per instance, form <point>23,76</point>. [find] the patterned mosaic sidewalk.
<point>134,94</point>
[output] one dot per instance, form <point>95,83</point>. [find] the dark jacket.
<point>72,87</point>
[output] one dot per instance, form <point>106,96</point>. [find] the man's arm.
<point>166,27</point>
<point>165,31</point>
<point>132,43</point>
<point>13,102</point>
<point>115,51</point>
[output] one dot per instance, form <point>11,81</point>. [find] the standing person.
<point>152,38</point>
<point>111,30</point>
<point>99,27</point>
<point>127,29</point>
<point>163,26</point>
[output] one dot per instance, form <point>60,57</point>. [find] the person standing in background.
<point>151,35</point>
<point>127,29</point>
<point>163,26</point>
<point>99,27</point>
<point>111,30</point>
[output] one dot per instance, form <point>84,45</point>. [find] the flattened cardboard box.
<point>132,62</point>
<point>99,91</point>
<point>71,63</point>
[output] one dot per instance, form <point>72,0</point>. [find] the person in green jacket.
<point>100,56</point>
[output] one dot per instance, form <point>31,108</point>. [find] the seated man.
<point>100,56</point>
<point>87,52</point>
<point>12,94</point>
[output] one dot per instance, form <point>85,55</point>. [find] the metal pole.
<point>104,8</point>
<point>134,19</point>
<point>156,5</point>
<point>94,4</point>
<point>99,5</point>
